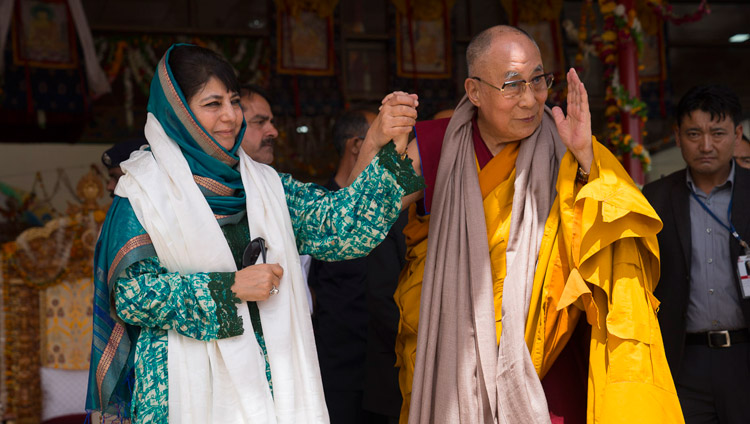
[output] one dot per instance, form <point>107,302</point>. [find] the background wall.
<point>696,52</point>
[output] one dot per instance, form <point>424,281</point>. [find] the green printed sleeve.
<point>401,168</point>
<point>347,223</point>
<point>201,305</point>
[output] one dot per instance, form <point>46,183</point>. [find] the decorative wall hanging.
<point>423,41</point>
<point>304,33</point>
<point>653,61</point>
<point>46,285</point>
<point>540,18</point>
<point>43,35</point>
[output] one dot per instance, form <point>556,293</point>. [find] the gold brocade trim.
<point>213,186</point>
<point>59,251</point>
<point>424,10</point>
<point>324,8</point>
<point>532,11</point>
<point>131,244</point>
<point>23,392</point>
<point>107,356</point>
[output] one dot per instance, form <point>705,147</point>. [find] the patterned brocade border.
<point>107,356</point>
<point>22,390</point>
<point>131,244</point>
<point>213,186</point>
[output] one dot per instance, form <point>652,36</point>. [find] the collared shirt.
<point>714,303</point>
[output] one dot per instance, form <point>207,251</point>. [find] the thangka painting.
<point>653,63</point>
<point>43,34</point>
<point>305,43</point>
<point>547,36</point>
<point>423,48</point>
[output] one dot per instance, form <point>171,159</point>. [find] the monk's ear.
<point>472,90</point>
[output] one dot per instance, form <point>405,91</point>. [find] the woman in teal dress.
<point>184,333</point>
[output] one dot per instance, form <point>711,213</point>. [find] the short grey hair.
<point>482,42</point>
<point>349,124</point>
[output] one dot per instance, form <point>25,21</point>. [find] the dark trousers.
<point>713,384</point>
<point>345,407</point>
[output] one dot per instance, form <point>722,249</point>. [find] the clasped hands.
<point>397,115</point>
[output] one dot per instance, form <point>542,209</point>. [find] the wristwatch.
<point>582,176</point>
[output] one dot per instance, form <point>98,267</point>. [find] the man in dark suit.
<point>355,317</point>
<point>704,314</point>
<point>382,396</point>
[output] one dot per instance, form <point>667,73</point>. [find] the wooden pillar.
<point>628,70</point>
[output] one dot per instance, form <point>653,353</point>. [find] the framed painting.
<point>547,35</point>
<point>43,35</point>
<point>653,61</point>
<point>366,70</point>
<point>305,43</point>
<point>423,48</point>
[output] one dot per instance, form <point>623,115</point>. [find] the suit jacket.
<point>340,319</point>
<point>381,392</point>
<point>670,198</point>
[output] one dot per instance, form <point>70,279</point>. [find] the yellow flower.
<point>638,149</point>
<point>99,216</point>
<point>609,36</point>
<point>607,7</point>
<point>611,110</point>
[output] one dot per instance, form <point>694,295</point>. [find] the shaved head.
<point>499,55</point>
<point>480,45</point>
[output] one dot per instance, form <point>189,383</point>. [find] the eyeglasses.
<point>516,88</point>
<point>257,247</point>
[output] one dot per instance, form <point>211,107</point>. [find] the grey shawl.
<point>461,374</point>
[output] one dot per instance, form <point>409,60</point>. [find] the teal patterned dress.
<point>327,225</point>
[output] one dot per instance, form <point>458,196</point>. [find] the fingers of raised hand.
<point>558,114</point>
<point>396,125</point>
<point>578,101</point>
<point>400,97</point>
<point>399,111</point>
<point>397,119</point>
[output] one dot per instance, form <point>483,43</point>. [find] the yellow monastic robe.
<point>599,256</point>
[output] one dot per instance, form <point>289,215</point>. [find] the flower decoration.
<point>666,13</point>
<point>620,25</point>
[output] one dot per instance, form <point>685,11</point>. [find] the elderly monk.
<point>527,228</point>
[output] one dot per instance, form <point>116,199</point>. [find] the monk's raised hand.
<point>397,116</point>
<point>575,128</point>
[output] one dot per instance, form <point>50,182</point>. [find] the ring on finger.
<point>274,290</point>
